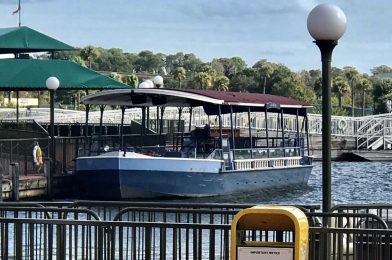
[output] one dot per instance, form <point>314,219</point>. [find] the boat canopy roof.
<point>209,99</point>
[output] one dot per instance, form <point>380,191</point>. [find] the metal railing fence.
<point>23,238</point>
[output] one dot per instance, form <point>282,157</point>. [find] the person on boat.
<point>37,155</point>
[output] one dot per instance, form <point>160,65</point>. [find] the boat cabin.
<point>273,130</point>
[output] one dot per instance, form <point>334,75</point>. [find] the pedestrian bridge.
<point>371,132</point>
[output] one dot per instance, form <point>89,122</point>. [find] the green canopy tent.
<point>24,39</point>
<point>31,74</point>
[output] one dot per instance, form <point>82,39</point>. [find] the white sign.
<point>265,253</point>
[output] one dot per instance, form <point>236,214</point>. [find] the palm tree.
<point>89,53</point>
<point>266,71</point>
<point>131,80</point>
<point>116,76</point>
<point>352,76</point>
<point>179,74</point>
<point>366,85</point>
<point>221,83</point>
<point>204,79</point>
<point>340,87</point>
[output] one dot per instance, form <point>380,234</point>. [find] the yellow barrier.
<point>269,218</point>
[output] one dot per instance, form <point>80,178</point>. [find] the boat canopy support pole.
<point>122,128</point>
<point>220,134</point>
<point>307,132</point>
<point>179,119</point>
<point>101,109</point>
<point>148,118</point>
<point>232,131</point>
<point>143,126</point>
<point>179,129</point>
<point>161,121</point>
<point>157,121</point>
<point>282,129</point>
<point>86,129</point>
<point>266,131</point>
<point>250,134</point>
<point>298,138</point>
<point>190,119</point>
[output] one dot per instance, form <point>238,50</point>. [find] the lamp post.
<point>52,83</point>
<point>326,24</point>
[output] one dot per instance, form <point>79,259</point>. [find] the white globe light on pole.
<point>144,85</point>
<point>326,24</point>
<point>150,83</point>
<point>158,81</point>
<point>52,83</point>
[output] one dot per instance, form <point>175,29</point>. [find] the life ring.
<point>37,156</point>
<point>342,124</point>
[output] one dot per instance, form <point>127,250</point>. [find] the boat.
<point>203,161</point>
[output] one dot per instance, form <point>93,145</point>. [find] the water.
<point>352,182</point>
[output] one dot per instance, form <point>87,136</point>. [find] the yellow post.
<point>271,218</point>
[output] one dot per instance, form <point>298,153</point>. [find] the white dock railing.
<point>371,132</point>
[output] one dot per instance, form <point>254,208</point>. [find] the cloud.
<point>228,9</point>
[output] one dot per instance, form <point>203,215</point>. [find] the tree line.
<point>352,91</point>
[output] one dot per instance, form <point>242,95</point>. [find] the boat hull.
<point>127,178</point>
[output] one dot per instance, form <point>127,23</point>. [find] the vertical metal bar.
<point>86,130</point>
<point>100,250</point>
<point>161,121</point>
<point>18,241</point>
<point>147,245</point>
<point>232,133</point>
<point>15,181</point>
<point>64,146</point>
<point>250,134</point>
<point>326,48</point>
<point>52,146</point>
<point>298,137</point>
<point>122,128</point>
<point>17,107</point>
<point>190,119</point>
<point>307,133</point>
<point>101,109</point>
<point>266,130</point>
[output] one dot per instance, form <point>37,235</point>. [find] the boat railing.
<point>267,163</point>
<point>259,158</point>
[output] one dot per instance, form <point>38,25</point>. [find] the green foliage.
<point>381,69</point>
<point>179,74</point>
<point>116,76</point>
<point>188,71</point>
<point>340,87</point>
<point>221,83</point>
<point>382,92</point>
<point>89,54</point>
<point>130,80</point>
<point>203,80</point>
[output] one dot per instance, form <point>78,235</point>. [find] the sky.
<point>251,29</point>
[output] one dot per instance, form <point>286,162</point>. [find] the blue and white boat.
<point>203,162</point>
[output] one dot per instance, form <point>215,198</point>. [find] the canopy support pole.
<point>266,131</point>
<point>122,128</point>
<point>282,129</point>
<point>232,131</point>
<point>86,129</point>
<point>250,134</point>
<point>101,109</point>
